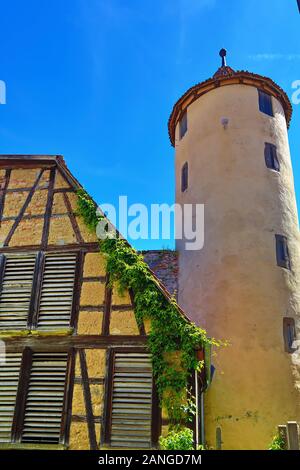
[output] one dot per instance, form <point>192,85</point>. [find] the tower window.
<point>183,125</point>
<point>265,103</point>
<point>271,157</point>
<point>289,334</point>
<point>184,177</point>
<point>282,252</point>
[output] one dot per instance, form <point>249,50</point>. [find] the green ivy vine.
<point>173,340</point>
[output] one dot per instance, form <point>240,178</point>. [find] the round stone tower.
<point>243,286</point>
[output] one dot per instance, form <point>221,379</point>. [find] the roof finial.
<point>223,54</point>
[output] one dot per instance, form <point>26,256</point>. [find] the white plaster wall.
<point>233,286</point>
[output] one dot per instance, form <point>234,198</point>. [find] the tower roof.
<point>225,75</point>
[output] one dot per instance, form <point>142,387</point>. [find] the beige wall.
<point>233,287</point>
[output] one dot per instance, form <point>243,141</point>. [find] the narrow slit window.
<point>265,103</point>
<point>184,177</point>
<point>271,157</point>
<point>282,252</point>
<point>289,334</point>
<point>131,413</point>
<point>183,125</point>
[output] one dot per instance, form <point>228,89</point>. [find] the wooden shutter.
<point>15,296</point>
<point>131,401</point>
<point>9,378</point>
<point>57,291</point>
<point>45,397</point>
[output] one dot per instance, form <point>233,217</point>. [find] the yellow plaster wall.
<point>94,265</point>
<point>61,231</point>
<point>123,323</point>
<point>90,323</point>
<point>233,286</point>
<point>28,232</point>
<point>92,293</point>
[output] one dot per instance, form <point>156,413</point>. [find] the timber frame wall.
<point>45,221</point>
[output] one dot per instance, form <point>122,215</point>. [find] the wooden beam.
<point>88,401</point>
<point>23,210</point>
<point>3,192</point>
<point>86,247</point>
<point>54,342</point>
<point>107,307</point>
<point>72,219</point>
<point>48,210</point>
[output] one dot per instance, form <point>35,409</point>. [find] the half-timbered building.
<point>76,373</point>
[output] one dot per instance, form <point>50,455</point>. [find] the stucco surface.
<point>233,286</point>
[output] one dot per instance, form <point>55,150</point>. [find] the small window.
<point>265,103</point>
<point>183,125</point>
<point>289,334</point>
<point>184,177</point>
<point>271,157</point>
<point>282,252</point>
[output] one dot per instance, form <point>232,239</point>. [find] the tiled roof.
<point>164,263</point>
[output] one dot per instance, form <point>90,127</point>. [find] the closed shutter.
<point>9,378</point>
<point>45,397</point>
<point>16,290</point>
<point>131,401</point>
<point>57,291</point>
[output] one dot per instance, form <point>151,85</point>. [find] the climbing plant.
<point>172,340</point>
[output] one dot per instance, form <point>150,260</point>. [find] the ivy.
<point>173,340</point>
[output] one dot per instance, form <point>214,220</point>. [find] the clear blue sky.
<point>95,80</point>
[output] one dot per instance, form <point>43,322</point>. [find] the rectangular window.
<point>289,334</point>
<point>10,366</point>
<point>57,291</point>
<point>265,103</point>
<point>271,157</point>
<point>45,398</point>
<point>17,273</point>
<point>282,252</point>
<point>131,401</point>
<point>184,177</point>
<point>37,290</point>
<point>183,125</point>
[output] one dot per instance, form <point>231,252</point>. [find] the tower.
<point>232,155</point>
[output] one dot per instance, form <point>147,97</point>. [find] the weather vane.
<point>223,54</point>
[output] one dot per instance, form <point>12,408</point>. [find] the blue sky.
<point>95,80</point>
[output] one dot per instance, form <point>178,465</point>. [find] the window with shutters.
<point>17,273</point>
<point>131,401</point>
<point>265,103</point>
<point>282,252</point>
<point>37,290</point>
<point>45,398</point>
<point>57,291</point>
<point>33,397</point>
<point>9,378</point>
<point>183,125</point>
<point>271,157</point>
<point>184,177</point>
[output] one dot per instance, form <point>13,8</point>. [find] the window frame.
<point>184,177</point>
<point>282,252</point>
<point>265,103</point>
<point>183,125</point>
<point>289,326</point>
<point>271,157</point>
<point>156,419</point>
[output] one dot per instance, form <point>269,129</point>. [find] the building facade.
<point>230,135</point>
<point>76,373</point>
